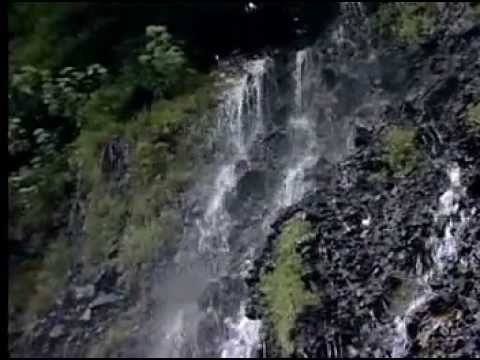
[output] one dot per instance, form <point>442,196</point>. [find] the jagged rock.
<point>87,315</point>
<point>57,331</point>
<point>84,292</point>
<point>105,299</point>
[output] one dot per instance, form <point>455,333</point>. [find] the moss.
<point>401,153</point>
<point>283,289</point>
<point>473,115</point>
<point>409,22</point>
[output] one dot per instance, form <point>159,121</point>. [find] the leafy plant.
<point>163,63</point>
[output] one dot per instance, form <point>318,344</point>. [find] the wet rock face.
<point>372,230</point>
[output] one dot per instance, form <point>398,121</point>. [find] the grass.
<point>401,153</point>
<point>154,133</point>
<point>152,227</point>
<point>104,222</point>
<point>142,243</point>
<point>161,160</point>
<point>283,289</point>
<point>473,115</point>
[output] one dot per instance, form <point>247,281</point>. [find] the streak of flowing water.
<point>443,252</point>
<point>302,136</point>
<point>244,100</point>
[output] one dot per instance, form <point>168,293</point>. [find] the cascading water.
<point>241,117</point>
<point>245,332</point>
<point>443,253</point>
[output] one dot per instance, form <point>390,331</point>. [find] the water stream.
<point>444,252</point>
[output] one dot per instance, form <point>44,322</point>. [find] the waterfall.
<point>443,252</point>
<point>302,135</point>
<point>298,75</point>
<point>224,232</point>
<point>243,102</point>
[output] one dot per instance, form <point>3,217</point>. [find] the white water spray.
<point>244,105</point>
<point>443,251</point>
<point>244,102</point>
<point>243,337</point>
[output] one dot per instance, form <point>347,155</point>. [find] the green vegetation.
<point>63,113</point>
<point>410,22</point>
<point>284,291</point>
<point>33,290</point>
<point>476,9</point>
<point>143,242</point>
<point>103,224</point>
<point>473,115</point>
<point>401,153</point>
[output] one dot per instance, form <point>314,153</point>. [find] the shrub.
<point>163,64</point>
<point>401,153</point>
<point>283,289</point>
